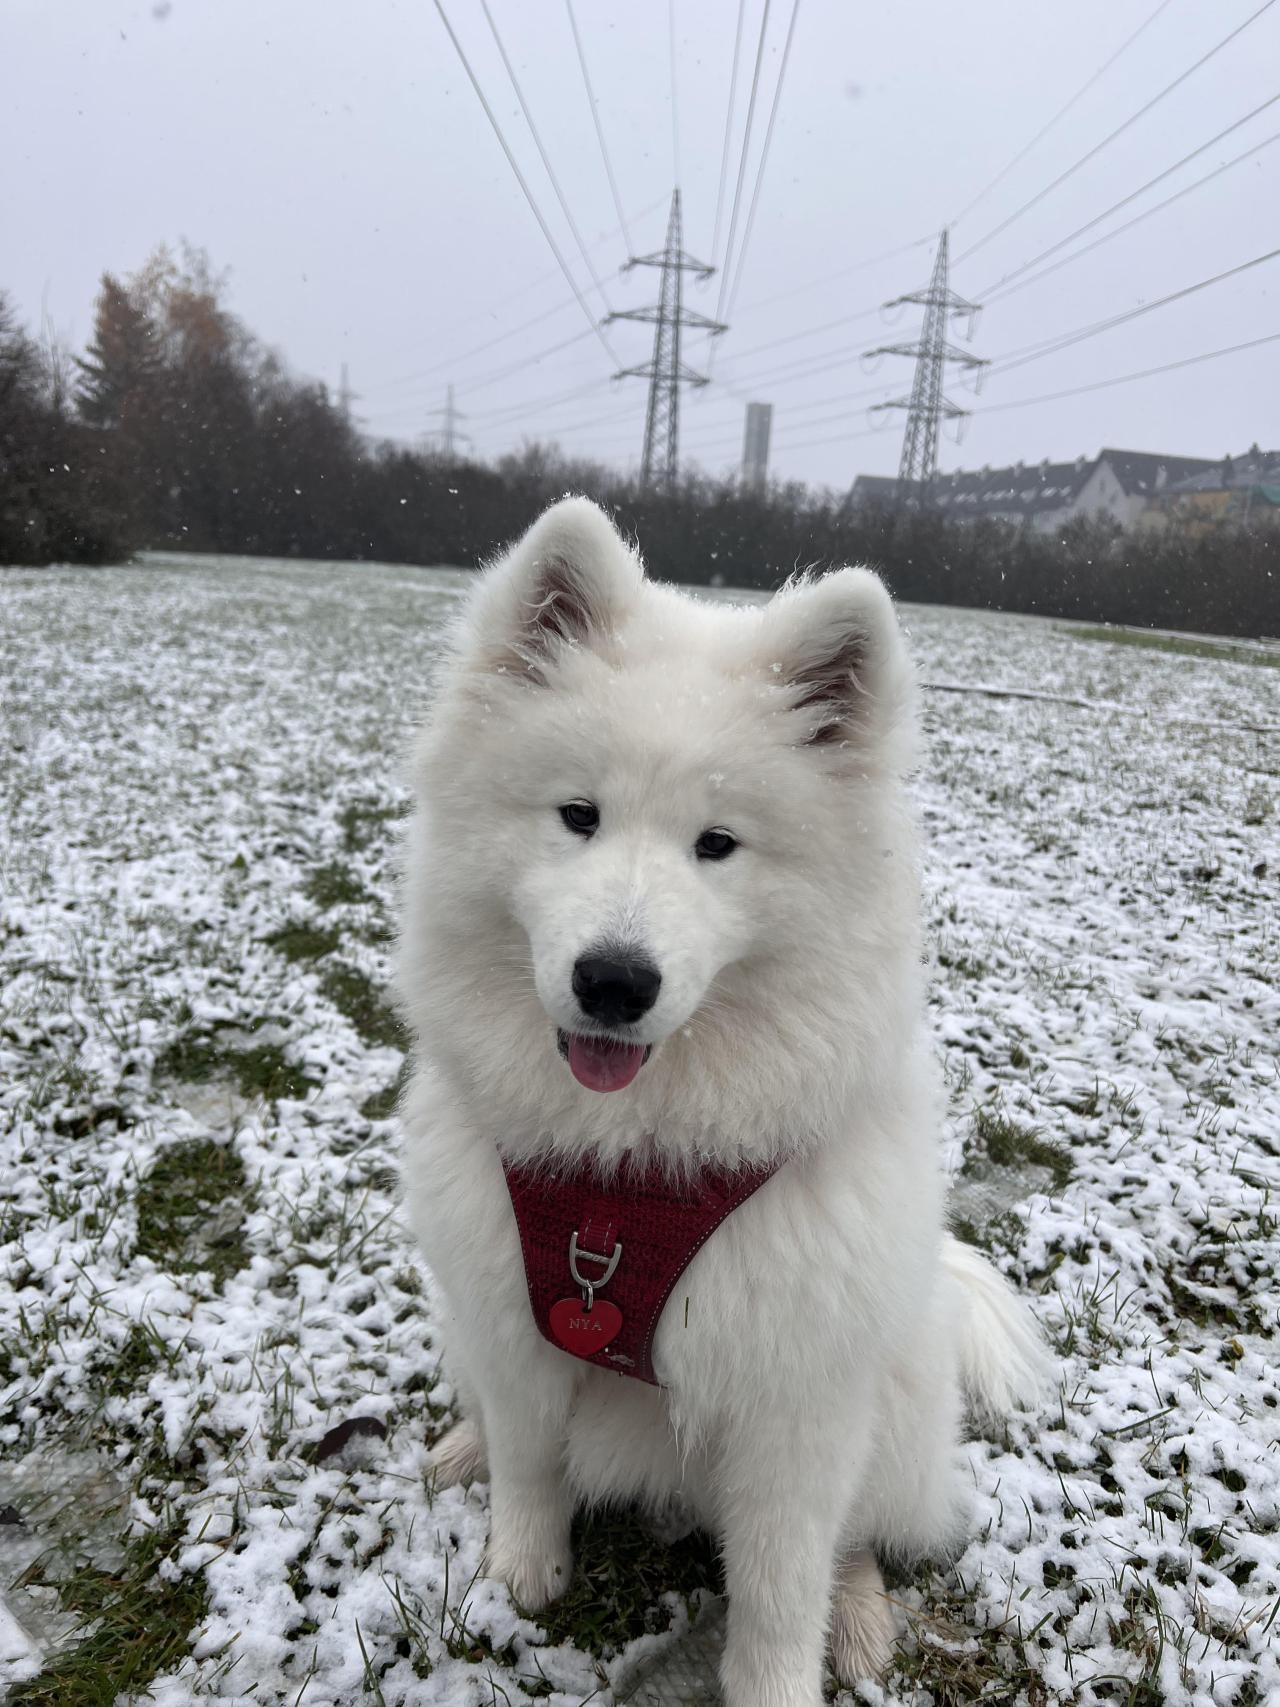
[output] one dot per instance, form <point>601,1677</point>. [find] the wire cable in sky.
<point>984,296</point>
<point>764,158</point>
<point>1061,113</point>
<point>675,103</point>
<point>841,273</point>
<point>1118,131</point>
<point>1051,346</point>
<point>565,209</point>
<point>536,405</point>
<point>492,378</point>
<point>595,116</point>
<point>1125,378</point>
<point>787,373</point>
<point>451,362</point>
<point>728,129</point>
<point>528,193</point>
<point>1137,219</point>
<point>808,332</point>
<point>742,163</point>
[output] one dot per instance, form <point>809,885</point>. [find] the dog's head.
<point>648,811</point>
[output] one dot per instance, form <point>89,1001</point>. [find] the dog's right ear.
<point>571,581</point>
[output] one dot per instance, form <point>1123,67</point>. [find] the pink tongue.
<point>602,1065</point>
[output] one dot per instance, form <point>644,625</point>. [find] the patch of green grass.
<point>383,1104</point>
<point>1184,645</point>
<point>302,941</point>
<point>620,1572</point>
<point>136,1625</point>
<point>359,998</point>
<point>260,1070</point>
<point>958,960</point>
<point>1006,1144</point>
<point>129,1368</point>
<point>187,1210</point>
<point>1004,1232</point>
<point>364,820</point>
<point>335,885</point>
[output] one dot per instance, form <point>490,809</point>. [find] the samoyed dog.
<point>673,1093</point>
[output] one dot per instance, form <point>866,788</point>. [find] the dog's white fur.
<point>817,1351</point>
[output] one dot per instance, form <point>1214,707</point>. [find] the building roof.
<point>1260,468</point>
<point>1031,489</point>
<point>1025,489</point>
<point>1141,473</point>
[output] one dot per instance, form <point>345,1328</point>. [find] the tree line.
<point>177,428</point>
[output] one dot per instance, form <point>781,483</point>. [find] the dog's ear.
<point>833,645</point>
<point>571,581</point>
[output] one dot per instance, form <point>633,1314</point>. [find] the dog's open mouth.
<point>602,1063</point>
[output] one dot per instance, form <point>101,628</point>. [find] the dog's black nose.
<point>615,991</point>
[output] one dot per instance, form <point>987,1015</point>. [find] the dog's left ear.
<point>571,581</point>
<point>834,646</point>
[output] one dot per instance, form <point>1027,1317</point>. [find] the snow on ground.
<point>202,1271</point>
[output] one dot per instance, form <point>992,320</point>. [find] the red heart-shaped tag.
<point>584,1331</point>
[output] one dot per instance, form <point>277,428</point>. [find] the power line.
<point>533,405</point>
<point>809,331</point>
<point>1125,378</point>
<point>521,295</point>
<point>787,373</point>
<point>728,128</point>
<point>792,416</point>
<point>1035,352</point>
<point>528,193</point>
<point>742,161</point>
<point>1118,131</point>
<point>1137,218</point>
<point>565,209</point>
<point>497,374</point>
<point>595,115</point>
<point>764,157</point>
<point>616,415</point>
<point>675,106</point>
<point>1061,113</point>
<point>985,295</point>
<point>478,350</point>
<point>840,273</point>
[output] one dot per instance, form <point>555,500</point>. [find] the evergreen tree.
<point>120,367</point>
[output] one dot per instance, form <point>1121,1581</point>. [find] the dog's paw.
<point>535,1575</point>
<point>458,1456</point>
<point>862,1631</point>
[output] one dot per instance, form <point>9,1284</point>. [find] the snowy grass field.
<point>218,1374</point>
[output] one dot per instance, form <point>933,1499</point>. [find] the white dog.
<point>663,851</point>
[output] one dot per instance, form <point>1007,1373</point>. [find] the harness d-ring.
<point>589,1286</point>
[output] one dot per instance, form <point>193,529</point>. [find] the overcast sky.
<point>334,157</point>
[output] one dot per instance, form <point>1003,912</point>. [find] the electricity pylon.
<point>927,406</point>
<point>666,373</point>
<point>448,431</point>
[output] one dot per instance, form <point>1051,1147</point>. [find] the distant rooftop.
<point>1029,489</point>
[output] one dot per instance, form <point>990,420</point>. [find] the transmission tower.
<point>450,419</point>
<point>666,373</point>
<point>927,407</point>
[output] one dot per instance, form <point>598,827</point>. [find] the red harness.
<point>633,1236</point>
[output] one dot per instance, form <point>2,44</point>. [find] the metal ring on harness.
<point>589,1286</point>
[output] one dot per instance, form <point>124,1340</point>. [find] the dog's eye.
<point>714,844</point>
<point>581,817</point>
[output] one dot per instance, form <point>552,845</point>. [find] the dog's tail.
<point>1004,1362</point>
